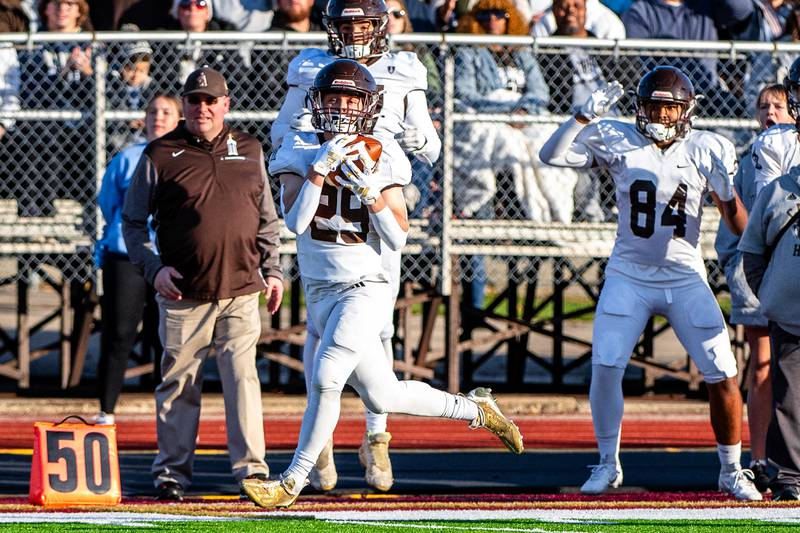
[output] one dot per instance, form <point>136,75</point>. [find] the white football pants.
<point>350,319</point>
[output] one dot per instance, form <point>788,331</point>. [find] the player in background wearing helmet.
<point>662,169</point>
<point>777,150</point>
<point>339,234</point>
<point>357,29</point>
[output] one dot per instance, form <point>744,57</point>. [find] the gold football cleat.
<point>491,418</point>
<point>374,456</point>
<point>270,493</point>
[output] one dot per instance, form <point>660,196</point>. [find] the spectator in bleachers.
<point>773,108</point>
<point>699,20</point>
<point>599,21</point>
<point>173,65</point>
<point>58,76</point>
<point>130,86</point>
<point>295,16</point>
<point>195,16</point>
<point>125,291</point>
<point>572,77</point>
<point>246,15</point>
<point>10,21</point>
<point>495,177</point>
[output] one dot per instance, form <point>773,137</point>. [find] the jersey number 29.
<point>674,213</point>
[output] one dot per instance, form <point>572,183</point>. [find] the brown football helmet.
<point>665,84</point>
<point>344,41</point>
<point>345,76</point>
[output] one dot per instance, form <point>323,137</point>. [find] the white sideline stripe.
<point>448,527</point>
<point>574,516</point>
<point>770,514</point>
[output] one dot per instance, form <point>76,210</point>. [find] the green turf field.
<point>284,525</point>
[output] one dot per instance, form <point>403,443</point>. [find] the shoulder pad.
<point>304,67</point>
<point>403,66</point>
<point>295,154</point>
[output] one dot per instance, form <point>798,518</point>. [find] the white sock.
<point>375,423</point>
<point>459,408</point>
<point>762,462</point>
<point>729,456</point>
<point>605,397</point>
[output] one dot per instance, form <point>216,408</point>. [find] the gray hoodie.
<point>775,283</point>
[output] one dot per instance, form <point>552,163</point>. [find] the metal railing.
<point>59,146</point>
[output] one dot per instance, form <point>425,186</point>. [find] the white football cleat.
<point>323,476</point>
<point>740,484</point>
<point>604,477</point>
<point>374,457</point>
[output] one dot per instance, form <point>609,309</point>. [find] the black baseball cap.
<point>205,80</point>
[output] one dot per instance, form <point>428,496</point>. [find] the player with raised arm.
<point>777,149</point>
<point>662,169</point>
<point>342,205</point>
<point>357,29</point>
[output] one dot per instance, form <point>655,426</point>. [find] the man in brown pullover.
<point>217,237</point>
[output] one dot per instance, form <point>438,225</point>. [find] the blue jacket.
<point>477,75</point>
<point>115,184</point>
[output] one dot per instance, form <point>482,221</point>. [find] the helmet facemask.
<point>357,45</point>
<point>658,131</point>
<point>338,120</point>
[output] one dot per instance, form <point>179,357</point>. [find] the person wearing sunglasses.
<point>205,186</point>
<point>357,30</point>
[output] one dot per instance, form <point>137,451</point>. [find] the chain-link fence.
<point>494,101</point>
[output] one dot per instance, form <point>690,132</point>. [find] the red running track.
<point>417,433</point>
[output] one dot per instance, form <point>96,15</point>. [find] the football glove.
<point>356,180</point>
<point>411,139</point>
<point>602,100</point>
<point>331,154</point>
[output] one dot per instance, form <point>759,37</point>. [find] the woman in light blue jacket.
<point>124,289</point>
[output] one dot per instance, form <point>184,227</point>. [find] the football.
<point>374,149</point>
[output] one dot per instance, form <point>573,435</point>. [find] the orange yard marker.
<point>74,464</point>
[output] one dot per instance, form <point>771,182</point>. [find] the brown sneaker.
<point>490,417</point>
<point>374,456</point>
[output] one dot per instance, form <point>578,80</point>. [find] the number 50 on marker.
<point>74,464</point>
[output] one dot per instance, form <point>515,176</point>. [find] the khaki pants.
<point>189,331</point>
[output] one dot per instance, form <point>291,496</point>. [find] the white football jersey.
<point>340,245</point>
<point>775,152</point>
<point>396,73</point>
<point>659,193</point>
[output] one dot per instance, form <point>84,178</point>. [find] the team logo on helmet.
<point>669,85</point>
<point>345,76</point>
<point>357,28</point>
